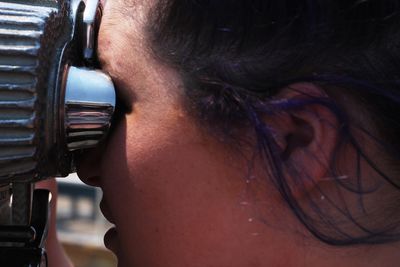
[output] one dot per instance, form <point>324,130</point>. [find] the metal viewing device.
<point>53,102</point>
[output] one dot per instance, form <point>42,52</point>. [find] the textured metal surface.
<point>39,40</point>
<point>89,20</point>
<point>89,106</point>
<point>87,124</point>
<point>21,203</point>
<point>36,44</point>
<point>5,208</point>
<point>21,30</point>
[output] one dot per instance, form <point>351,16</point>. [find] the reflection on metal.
<point>39,40</point>
<point>89,19</point>
<point>89,106</point>
<point>45,82</point>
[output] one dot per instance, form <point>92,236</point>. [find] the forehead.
<point>122,27</point>
<point>129,3</point>
<point>123,47</point>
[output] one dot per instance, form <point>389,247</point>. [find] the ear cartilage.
<point>331,178</point>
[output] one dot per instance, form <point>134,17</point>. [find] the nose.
<point>88,165</point>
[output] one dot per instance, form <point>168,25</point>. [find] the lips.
<point>106,211</point>
<point>111,236</point>
<point>110,240</point>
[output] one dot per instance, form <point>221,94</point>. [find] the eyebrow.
<point>100,53</point>
<point>120,87</point>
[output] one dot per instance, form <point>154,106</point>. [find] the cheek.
<point>114,168</point>
<point>159,158</point>
<point>151,162</point>
<point>177,198</point>
<point>164,184</point>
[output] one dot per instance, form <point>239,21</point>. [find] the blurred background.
<point>80,224</point>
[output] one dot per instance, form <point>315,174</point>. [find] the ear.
<point>306,135</point>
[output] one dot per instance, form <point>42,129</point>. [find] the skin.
<point>178,196</point>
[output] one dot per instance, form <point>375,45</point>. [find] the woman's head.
<point>250,130</point>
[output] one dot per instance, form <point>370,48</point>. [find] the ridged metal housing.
<point>22,28</point>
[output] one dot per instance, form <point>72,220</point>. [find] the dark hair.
<point>234,56</point>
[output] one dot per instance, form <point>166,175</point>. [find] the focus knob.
<point>89,105</point>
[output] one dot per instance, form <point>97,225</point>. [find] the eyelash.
<point>121,107</point>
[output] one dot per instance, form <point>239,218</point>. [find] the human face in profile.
<point>176,195</point>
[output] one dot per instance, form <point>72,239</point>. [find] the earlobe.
<point>306,134</point>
